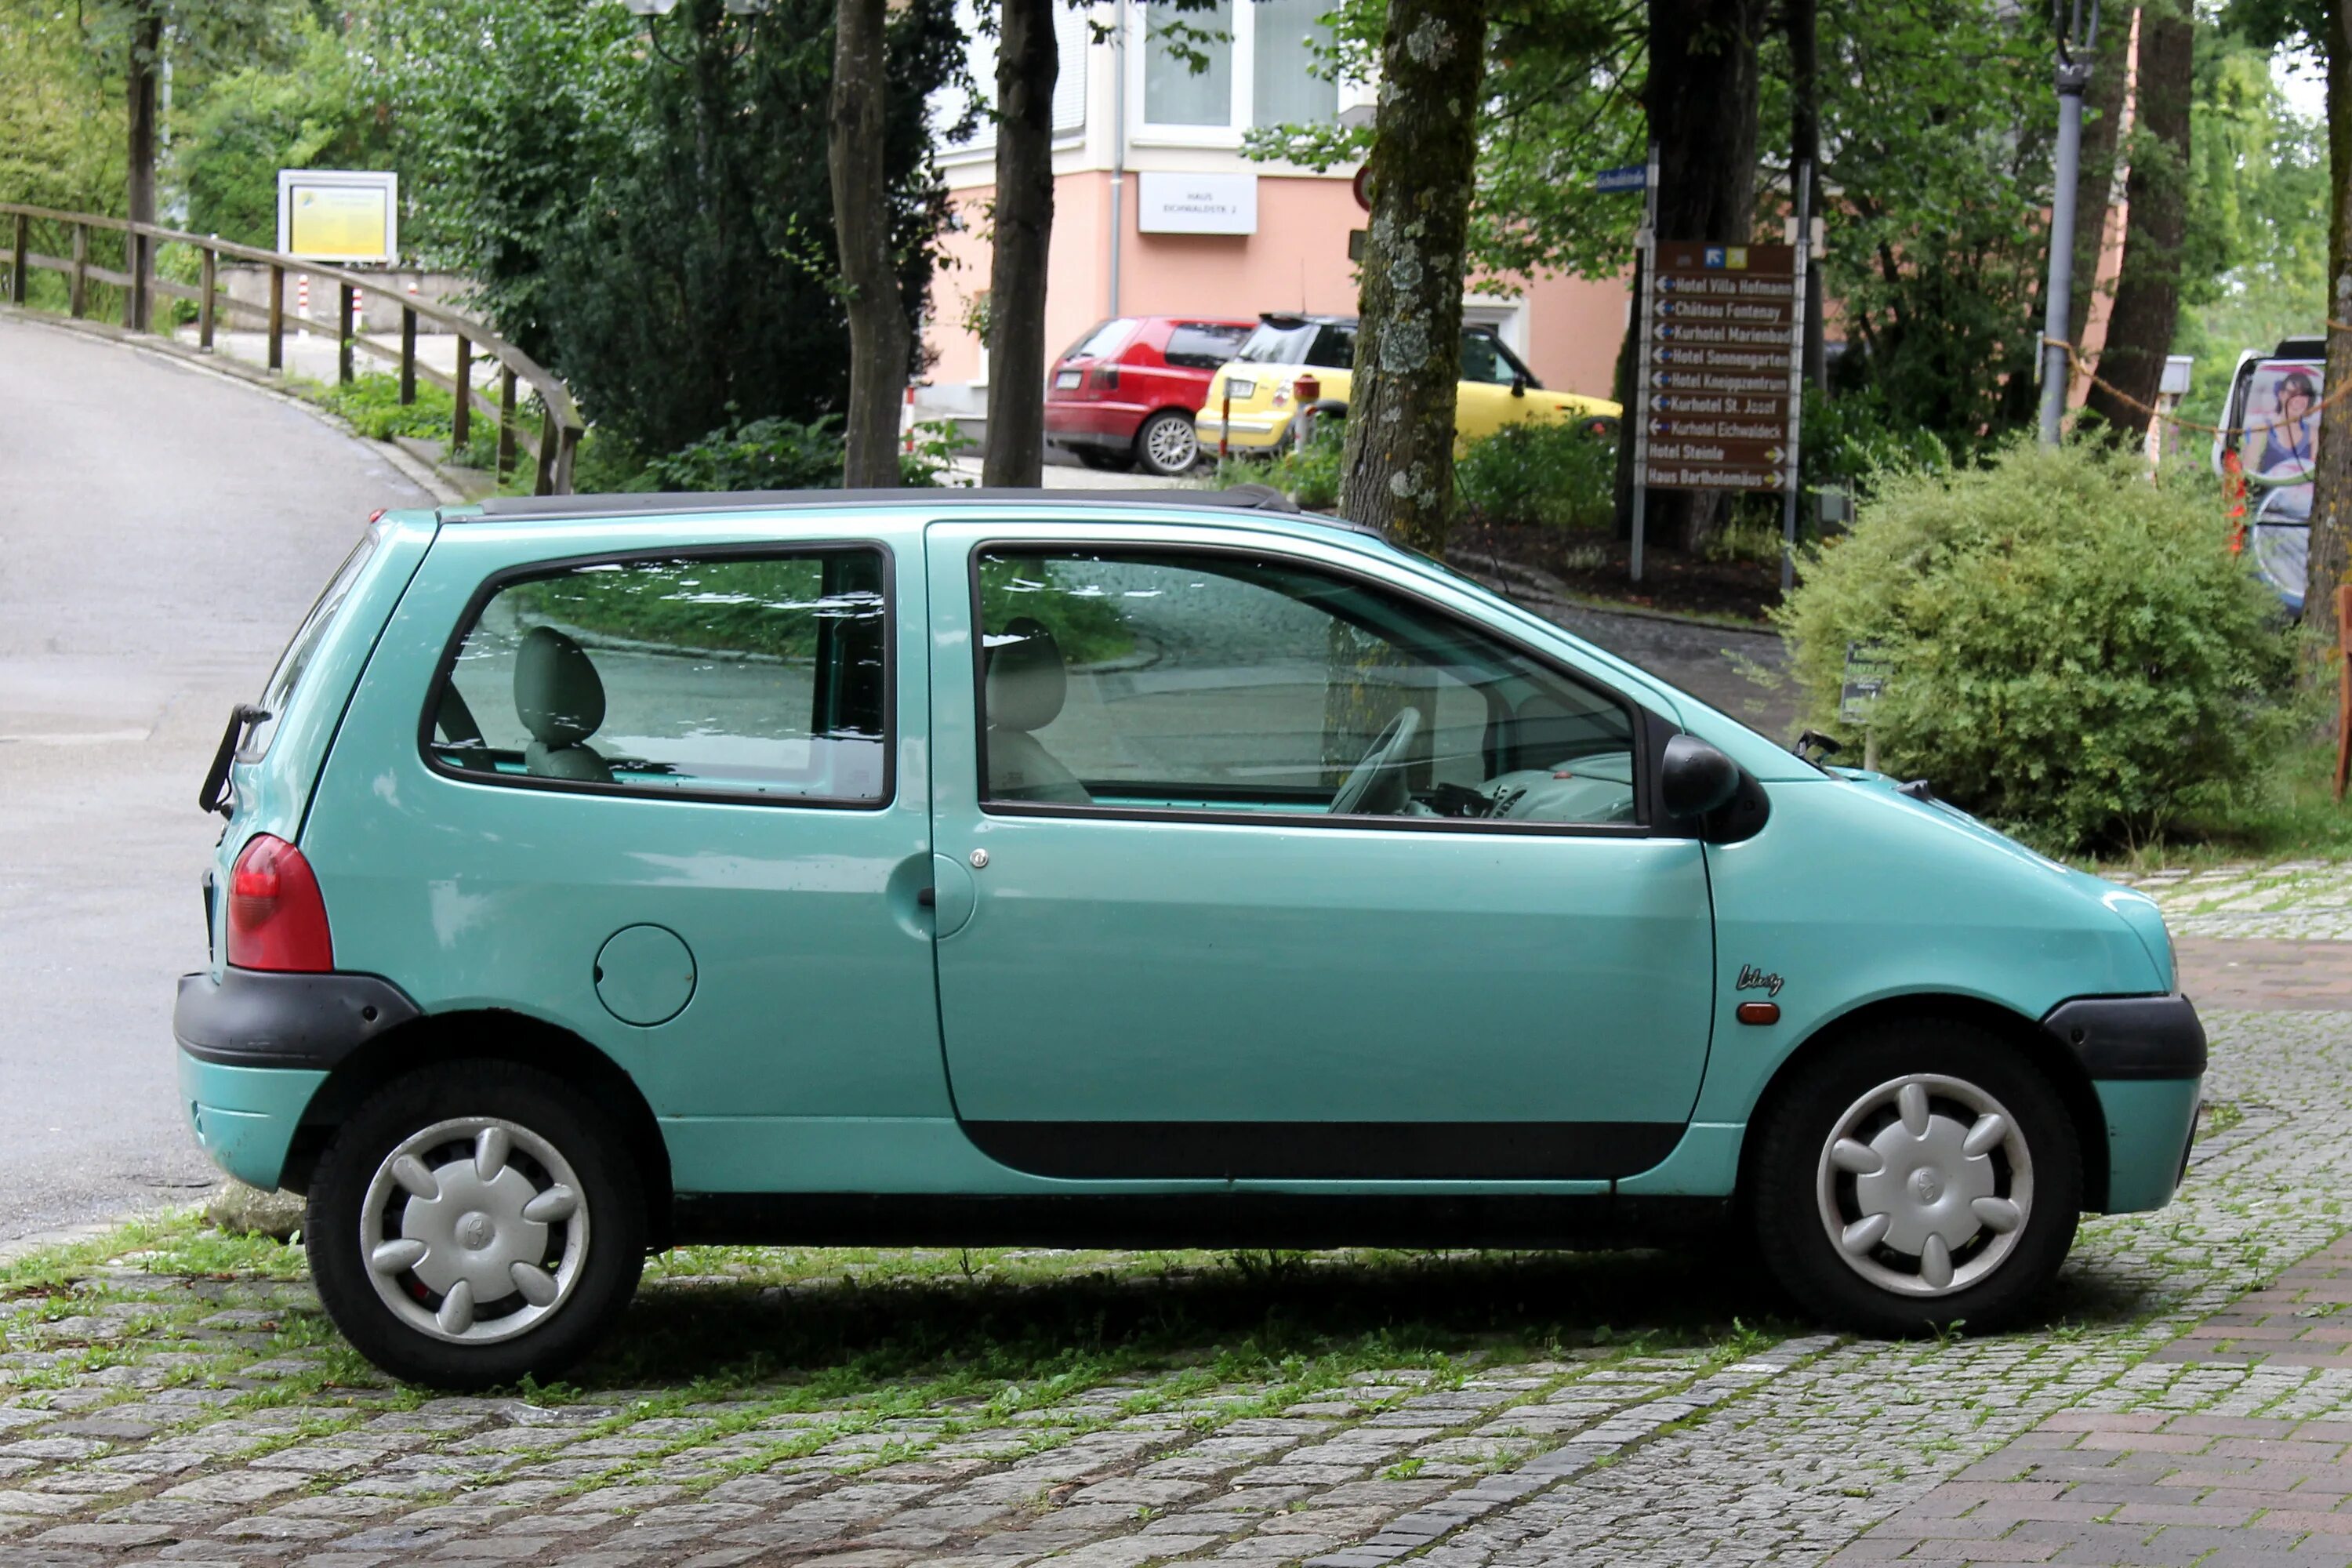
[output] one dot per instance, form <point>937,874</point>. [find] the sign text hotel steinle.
<point>1719,393</point>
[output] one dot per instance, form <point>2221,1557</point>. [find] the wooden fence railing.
<point>140,285</point>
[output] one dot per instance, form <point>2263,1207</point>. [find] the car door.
<point>1185,932</point>
<point>658,802</point>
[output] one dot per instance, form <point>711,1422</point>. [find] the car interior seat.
<point>1027,682</point>
<point>560,700</point>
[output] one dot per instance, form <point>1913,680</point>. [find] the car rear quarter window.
<point>1202,345</point>
<point>723,677</point>
<point>286,678</point>
<point>1105,339</point>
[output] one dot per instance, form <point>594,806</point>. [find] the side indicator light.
<point>1759,1013</point>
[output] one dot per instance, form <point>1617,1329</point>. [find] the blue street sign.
<point>1631,177</point>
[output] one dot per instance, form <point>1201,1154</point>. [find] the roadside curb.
<point>421,475</point>
<point>1516,587</point>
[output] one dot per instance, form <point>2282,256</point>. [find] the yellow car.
<point>1255,399</point>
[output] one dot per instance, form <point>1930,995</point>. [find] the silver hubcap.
<point>1171,444</point>
<point>473,1230</point>
<point>1926,1186</point>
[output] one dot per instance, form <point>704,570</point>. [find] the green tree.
<point>2148,287</point>
<point>644,203</point>
<point>60,146</point>
<point>231,133</point>
<point>2319,25</point>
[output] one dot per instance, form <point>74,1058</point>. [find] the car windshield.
<point>1330,344</point>
<point>1277,343</point>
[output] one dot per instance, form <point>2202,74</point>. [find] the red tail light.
<point>275,918</point>
<point>1106,376</point>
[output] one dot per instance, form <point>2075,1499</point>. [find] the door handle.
<point>928,898</point>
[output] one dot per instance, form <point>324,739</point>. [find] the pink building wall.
<point>1298,260</point>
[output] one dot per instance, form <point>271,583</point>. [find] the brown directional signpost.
<point>1720,390</point>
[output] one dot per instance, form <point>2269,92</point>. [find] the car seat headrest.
<point>558,695</point>
<point>1026,679</point>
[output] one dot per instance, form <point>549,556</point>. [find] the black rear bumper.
<point>266,1018</point>
<point>2131,1037</point>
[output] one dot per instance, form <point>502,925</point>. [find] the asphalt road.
<point>161,531</point>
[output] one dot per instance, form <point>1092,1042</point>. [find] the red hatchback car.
<point>1125,393</point>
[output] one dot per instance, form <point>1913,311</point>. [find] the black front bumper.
<point>2131,1037</point>
<point>265,1018</point>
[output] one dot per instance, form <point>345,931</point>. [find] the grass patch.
<point>2289,811</point>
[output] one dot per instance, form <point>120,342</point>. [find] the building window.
<point>1225,69</point>
<point>1290,90</point>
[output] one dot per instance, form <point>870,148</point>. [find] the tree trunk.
<point>2331,508</point>
<point>2095,183</point>
<point>880,341</point>
<point>1805,152</point>
<point>1701,101</point>
<point>1397,474</point>
<point>2148,292</point>
<point>1026,65</point>
<point>145,59</point>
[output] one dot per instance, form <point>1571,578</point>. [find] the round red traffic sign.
<point>1364,187</point>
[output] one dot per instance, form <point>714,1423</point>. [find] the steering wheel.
<point>1375,786</point>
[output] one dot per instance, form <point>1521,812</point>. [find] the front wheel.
<point>475,1224</point>
<point>1923,1175</point>
<point>1168,445</point>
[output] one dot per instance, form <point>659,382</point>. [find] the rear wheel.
<point>1923,1174</point>
<point>1168,445</point>
<point>476,1224</point>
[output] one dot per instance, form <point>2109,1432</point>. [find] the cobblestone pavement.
<point>176,1398</point>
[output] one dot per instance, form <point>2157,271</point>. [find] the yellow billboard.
<point>338,215</point>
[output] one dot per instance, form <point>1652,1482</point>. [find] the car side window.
<point>1335,347</point>
<point>725,675</point>
<point>1482,361</point>
<point>1232,682</point>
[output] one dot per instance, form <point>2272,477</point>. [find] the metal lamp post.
<point>2073,76</point>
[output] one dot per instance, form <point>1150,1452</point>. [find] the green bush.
<point>371,405</point>
<point>1309,474</point>
<point>780,455</point>
<point>2076,655</point>
<point>1548,476</point>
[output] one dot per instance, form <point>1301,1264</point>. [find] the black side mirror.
<point>1695,778</point>
<point>1518,387</point>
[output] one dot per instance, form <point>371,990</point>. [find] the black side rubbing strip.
<point>2131,1037</point>
<point>1329,1151</point>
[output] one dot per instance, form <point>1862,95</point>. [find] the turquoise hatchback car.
<point>922,868</point>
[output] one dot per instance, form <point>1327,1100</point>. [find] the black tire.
<point>1103,462</point>
<point>1162,441</point>
<point>1874,1293</point>
<point>610,1235</point>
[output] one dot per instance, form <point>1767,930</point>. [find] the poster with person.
<point>2282,422</point>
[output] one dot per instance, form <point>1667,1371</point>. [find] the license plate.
<point>1068,378</point>
<point>1237,390</point>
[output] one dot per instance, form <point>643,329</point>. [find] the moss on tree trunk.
<point>1398,471</point>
